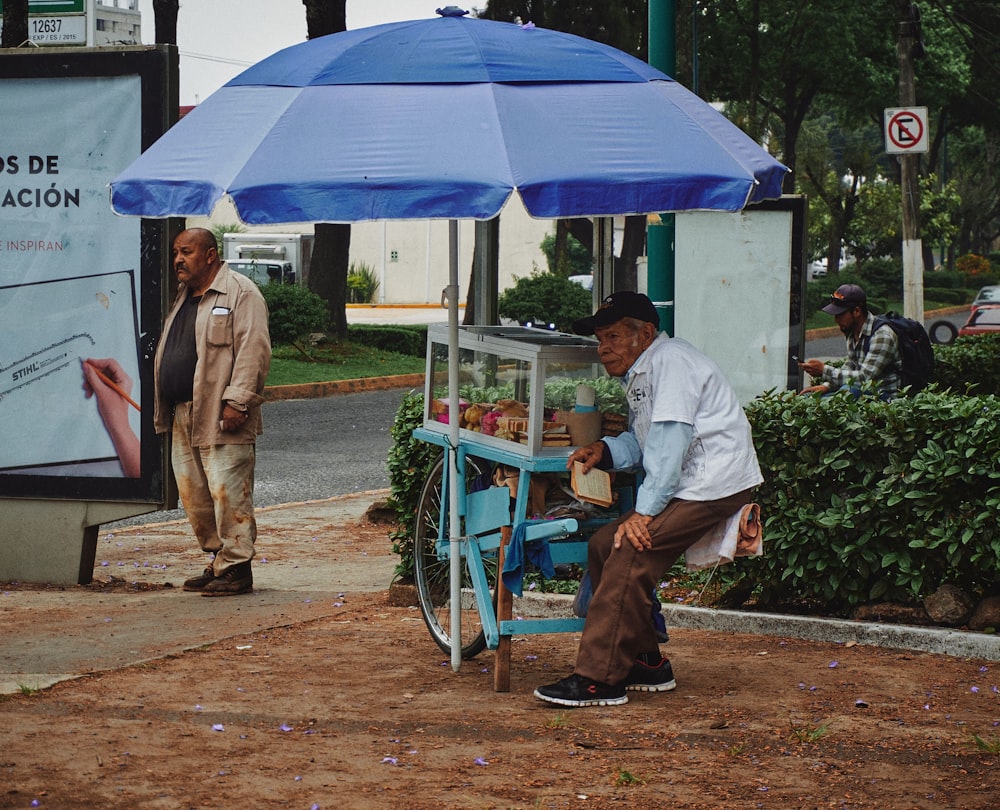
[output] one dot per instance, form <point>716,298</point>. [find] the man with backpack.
<point>873,352</point>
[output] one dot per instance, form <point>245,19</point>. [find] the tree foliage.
<point>812,78</point>
<point>544,298</point>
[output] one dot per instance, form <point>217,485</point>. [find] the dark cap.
<point>618,305</point>
<point>846,297</point>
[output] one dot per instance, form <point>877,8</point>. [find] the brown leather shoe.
<point>199,582</point>
<point>231,582</point>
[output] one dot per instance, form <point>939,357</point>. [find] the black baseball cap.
<point>618,305</point>
<point>846,297</point>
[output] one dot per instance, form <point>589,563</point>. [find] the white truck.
<point>270,257</point>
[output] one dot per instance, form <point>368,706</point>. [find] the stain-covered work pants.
<point>215,485</point>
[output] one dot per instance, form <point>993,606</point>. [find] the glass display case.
<point>523,391</point>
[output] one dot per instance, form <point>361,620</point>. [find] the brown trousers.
<point>619,622</point>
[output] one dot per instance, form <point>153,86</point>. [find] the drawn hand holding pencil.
<point>105,379</point>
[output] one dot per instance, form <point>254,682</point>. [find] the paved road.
<point>317,448</point>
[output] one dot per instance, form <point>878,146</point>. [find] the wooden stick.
<point>114,386</point>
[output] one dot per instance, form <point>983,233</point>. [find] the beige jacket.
<point>234,355</point>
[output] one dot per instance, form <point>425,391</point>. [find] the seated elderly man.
<point>692,439</point>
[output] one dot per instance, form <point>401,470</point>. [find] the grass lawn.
<point>338,361</point>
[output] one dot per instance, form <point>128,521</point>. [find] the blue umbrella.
<point>445,118</point>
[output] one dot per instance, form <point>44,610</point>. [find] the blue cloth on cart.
<point>520,552</point>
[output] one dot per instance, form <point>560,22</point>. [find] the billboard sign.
<point>77,290</point>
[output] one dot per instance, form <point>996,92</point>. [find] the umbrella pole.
<point>453,439</point>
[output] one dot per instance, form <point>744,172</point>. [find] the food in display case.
<point>501,372</point>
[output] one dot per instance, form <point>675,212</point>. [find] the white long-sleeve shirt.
<point>687,429</point>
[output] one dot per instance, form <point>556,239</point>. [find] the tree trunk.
<point>332,248</point>
<point>165,21</point>
<point>15,23</point>
<point>325,17</point>
<point>328,271</point>
<point>633,246</point>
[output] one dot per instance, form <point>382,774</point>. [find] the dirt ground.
<point>360,709</point>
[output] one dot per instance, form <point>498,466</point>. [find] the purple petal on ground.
<point>218,727</point>
<point>285,727</point>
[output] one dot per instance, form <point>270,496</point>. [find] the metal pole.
<point>913,278</point>
<point>454,535</point>
<point>660,237</point>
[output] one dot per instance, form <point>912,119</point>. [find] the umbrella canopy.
<point>445,118</point>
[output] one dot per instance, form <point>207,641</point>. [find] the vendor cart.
<point>535,374</point>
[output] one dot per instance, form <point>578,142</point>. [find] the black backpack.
<point>915,351</point>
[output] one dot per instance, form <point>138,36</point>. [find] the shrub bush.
<point>411,340</point>
<point>873,501</point>
<point>410,460</point>
<point>294,312</point>
<point>545,298</point>
<point>969,365</point>
<point>972,265</point>
<point>362,283</point>
<point>578,261</point>
<point>943,279</point>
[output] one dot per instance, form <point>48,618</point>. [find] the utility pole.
<point>908,46</point>
<point>660,234</point>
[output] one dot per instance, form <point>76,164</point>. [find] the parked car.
<point>817,269</point>
<point>587,281</point>
<point>265,272</point>
<point>987,295</point>
<point>983,320</point>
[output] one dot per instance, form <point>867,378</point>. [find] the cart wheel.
<point>432,568</point>
<point>943,332</point>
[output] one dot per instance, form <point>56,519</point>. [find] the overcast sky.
<point>218,39</point>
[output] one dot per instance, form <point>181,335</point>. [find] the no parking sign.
<point>905,130</point>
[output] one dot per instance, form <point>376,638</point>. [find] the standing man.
<point>872,354</point>
<point>692,439</point>
<point>209,373</point>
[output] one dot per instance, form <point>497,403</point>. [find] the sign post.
<point>905,130</point>
<point>57,22</point>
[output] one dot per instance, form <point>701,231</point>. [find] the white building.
<point>411,256</point>
<point>118,22</point>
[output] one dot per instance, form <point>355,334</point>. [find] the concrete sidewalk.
<point>310,563</point>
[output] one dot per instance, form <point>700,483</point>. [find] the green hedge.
<point>873,501</point>
<point>969,365</point>
<point>411,340</point>
<point>864,500</point>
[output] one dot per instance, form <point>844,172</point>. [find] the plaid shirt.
<point>880,362</point>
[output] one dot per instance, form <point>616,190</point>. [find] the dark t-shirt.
<point>180,354</point>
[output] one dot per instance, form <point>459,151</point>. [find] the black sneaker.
<point>645,677</point>
<point>231,582</point>
<point>576,690</point>
<point>199,582</point>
